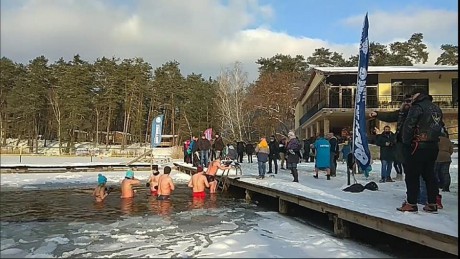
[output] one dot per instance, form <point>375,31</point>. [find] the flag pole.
<point>360,156</point>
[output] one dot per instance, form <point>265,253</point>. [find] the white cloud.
<point>437,26</point>
<point>202,35</point>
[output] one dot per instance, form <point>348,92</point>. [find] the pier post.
<point>341,227</point>
<point>282,206</point>
<point>248,195</point>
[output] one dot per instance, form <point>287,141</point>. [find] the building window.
<point>401,87</point>
<point>371,97</point>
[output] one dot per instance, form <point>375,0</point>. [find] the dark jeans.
<point>188,158</point>
<point>398,167</point>
<point>421,163</point>
<point>262,167</point>
<point>386,169</point>
<point>333,164</point>
<point>275,161</point>
<point>442,175</point>
<point>249,158</point>
<point>240,157</point>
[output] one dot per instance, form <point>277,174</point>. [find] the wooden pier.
<point>340,216</point>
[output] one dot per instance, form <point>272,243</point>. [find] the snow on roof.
<point>387,69</point>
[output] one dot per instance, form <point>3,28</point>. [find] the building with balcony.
<point>326,103</point>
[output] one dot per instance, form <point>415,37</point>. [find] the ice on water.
<point>219,232</point>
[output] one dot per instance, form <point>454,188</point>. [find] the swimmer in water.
<point>101,191</point>
<point>198,183</point>
<point>128,183</point>
<point>153,182</point>
<point>165,185</point>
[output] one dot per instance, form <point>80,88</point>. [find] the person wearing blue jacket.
<point>323,156</point>
<point>192,149</point>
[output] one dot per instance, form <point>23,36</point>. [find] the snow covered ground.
<point>274,235</point>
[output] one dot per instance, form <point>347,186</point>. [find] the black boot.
<point>296,175</point>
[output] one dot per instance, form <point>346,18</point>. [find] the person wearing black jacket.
<point>311,140</point>
<point>386,141</point>
<point>282,152</point>
<point>398,116</point>
<point>240,147</point>
<point>273,155</point>
<point>334,152</point>
<point>204,146</point>
<point>218,146</point>
<point>306,150</point>
<point>420,137</point>
<point>250,151</point>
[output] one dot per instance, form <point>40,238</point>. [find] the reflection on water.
<point>69,223</point>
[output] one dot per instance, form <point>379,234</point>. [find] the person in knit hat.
<point>128,183</point>
<point>293,155</point>
<point>100,192</point>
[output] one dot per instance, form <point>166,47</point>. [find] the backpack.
<point>356,187</point>
<point>371,186</point>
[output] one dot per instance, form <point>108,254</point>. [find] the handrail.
<point>376,101</point>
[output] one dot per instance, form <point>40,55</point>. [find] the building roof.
<point>387,69</point>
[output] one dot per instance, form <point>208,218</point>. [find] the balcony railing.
<point>373,101</point>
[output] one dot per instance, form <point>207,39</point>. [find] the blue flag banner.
<point>360,144</point>
<point>157,129</point>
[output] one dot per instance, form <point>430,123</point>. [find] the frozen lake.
<point>66,222</point>
<point>53,215</point>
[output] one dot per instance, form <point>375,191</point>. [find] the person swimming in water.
<point>101,191</point>
<point>198,183</point>
<point>152,182</point>
<point>128,183</point>
<point>165,185</point>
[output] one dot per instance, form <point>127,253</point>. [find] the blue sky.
<point>206,36</point>
<point>323,18</point>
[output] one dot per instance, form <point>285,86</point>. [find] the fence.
<point>54,151</point>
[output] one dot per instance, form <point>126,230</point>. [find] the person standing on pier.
<point>334,146</point>
<point>420,137</point>
<point>249,151</point>
<point>273,156</point>
<point>240,147</point>
<point>282,152</point>
<point>218,146</point>
<point>323,159</point>
<point>192,150</point>
<point>204,146</point>
<point>128,183</point>
<point>293,155</point>
<point>262,151</point>
<point>165,184</point>
<point>387,142</point>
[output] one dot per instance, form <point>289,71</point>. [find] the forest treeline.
<point>56,100</point>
